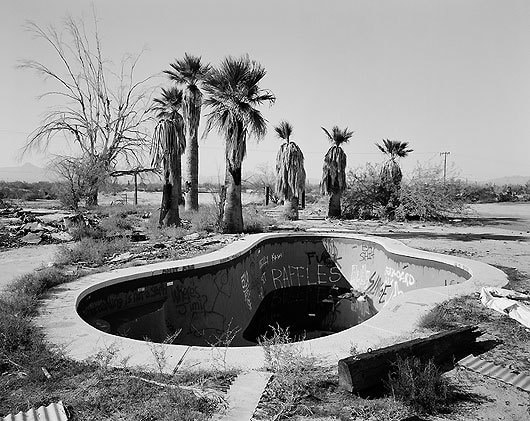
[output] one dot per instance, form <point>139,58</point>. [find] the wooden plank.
<point>368,370</point>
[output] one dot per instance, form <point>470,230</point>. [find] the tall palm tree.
<point>391,175</point>
<point>334,171</point>
<point>233,95</point>
<point>290,172</point>
<point>167,147</point>
<point>190,73</point>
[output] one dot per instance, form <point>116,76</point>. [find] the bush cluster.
<point>420,385</point>
<point>423,196</point>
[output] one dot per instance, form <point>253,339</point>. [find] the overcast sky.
<point>443,75</point>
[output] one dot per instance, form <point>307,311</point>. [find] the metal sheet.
<point>522,381</point>
<point>52,412</point>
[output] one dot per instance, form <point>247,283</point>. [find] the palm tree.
<point>168,144</point>
<point>190,73</point>
<point>391,175</point>
<point>334,171</point>
<point>233,95</point>
<point>290,172</point>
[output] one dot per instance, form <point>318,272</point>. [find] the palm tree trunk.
<point>334,210</point>
<point>193,101</point>
<point>290,208</point>
<point>191,173</point>
<point>169,209</point>
<point>233,210</point>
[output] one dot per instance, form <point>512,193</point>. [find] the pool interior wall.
<point>292,280</point>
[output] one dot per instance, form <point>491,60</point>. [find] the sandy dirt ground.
<point>16,262</point>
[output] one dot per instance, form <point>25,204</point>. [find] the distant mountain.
<point>514,179</point>
<point>27,172</point>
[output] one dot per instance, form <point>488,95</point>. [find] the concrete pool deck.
<point>398,316</point>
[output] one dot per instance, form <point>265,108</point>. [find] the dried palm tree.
<point>166,149</point>
<point>190,73</point>
<point>233,94</point>
<point>290,172</point>
<point>391,175</point>
<point>333,181</point>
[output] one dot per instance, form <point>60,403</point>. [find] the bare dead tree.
<point>102,112</point>
<point>72,174</point>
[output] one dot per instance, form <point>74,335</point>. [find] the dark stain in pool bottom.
<point>308,311</point>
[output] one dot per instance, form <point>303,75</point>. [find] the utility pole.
<point>445,163</point>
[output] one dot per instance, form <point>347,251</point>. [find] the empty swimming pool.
<point>336,290</point>
<point>314,285</point>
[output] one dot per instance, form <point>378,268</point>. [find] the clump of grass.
<point>419,384</point>
<point>293,369</point>
<point>36,283</point>
<point>255,221</point>
<point>82,230</point>
<point>20,341</point>
<point>91,251</point>
<point>206,219</point>
<point>456,312</point>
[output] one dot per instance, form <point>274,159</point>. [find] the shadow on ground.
<point>453,236</point>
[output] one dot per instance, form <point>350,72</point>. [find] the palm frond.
<point>334,171</point>
<point>338,136</point>
<point>290,172</point>
<point>233,93</point>
<point>394,148</point>
<point>284,130</point>
<point>169,103</point>
<point>188,70</point>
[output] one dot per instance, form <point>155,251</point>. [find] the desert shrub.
<point>362,199</point>
<point>81,230</point>
<point>206,219</point>
<point>36,283</point>
<point>294,371</point>
<point>425,196</point>
<point>20,340</point>
<point>254,220</point>
<point>419,384</point>
<point>455,312</point>
<point>91,251</point>
<point>116,221</point>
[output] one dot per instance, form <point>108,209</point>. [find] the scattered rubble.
<point>22,226</point>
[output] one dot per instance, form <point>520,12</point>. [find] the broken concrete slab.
<point>33,227</point>
<point>61,236</point>
<point>31,238</point>
<point>191,237</point>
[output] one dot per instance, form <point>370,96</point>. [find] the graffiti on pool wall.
<point>367,252</point>
<point>292,276</point>
<point>186,299</point>
<point>394,281</point>
<point>361,277</point>
<point>245,285</point>
<point>332,252</point>
<point>383,288</point>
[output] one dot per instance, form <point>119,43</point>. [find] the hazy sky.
<point>444,75</point>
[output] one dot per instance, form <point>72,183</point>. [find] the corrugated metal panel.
<point>52,412</point>
<point>522,381</point>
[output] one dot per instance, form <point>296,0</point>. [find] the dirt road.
<point>19,261</point>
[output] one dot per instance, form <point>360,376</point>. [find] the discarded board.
<point>368,370</point>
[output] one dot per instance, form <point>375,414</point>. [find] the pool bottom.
<point>305,312</point>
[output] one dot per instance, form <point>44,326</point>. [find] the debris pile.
<point>19,226</point>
